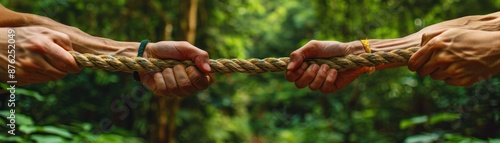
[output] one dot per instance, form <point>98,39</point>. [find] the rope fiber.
<point>249,66</point>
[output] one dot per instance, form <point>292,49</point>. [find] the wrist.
<point>356,47</point>
<point>392,44</point>
<point>128,49</point>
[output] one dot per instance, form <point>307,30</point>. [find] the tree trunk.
<point>167,106</point>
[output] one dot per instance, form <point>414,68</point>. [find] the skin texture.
<point>321,77</point>
<point>455,55</point>
<point>180,80</point>
<point>177,81</point>
<point>455,67</point>
<point>41,55</point>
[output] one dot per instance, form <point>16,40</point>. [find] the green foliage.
<point>393,105</point>
<point>77,132</point>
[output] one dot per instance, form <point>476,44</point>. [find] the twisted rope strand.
<point>250,66</point>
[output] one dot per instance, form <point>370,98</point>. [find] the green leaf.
<point>10,138</point>
<point>57,131</point>
<point>27,129</point>
<point>86,126</point>
<point>3,123</point>
<point>19,118</point>
<point>423,138</point>
<point>23,120</point>
<point>47,139</point>
<point>443,117</point>
<point>110,138</point>
<point>412,121</point>
<point>30,93</point>
<point>495,140</point>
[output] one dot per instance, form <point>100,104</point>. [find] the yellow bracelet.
<point>366,45</point>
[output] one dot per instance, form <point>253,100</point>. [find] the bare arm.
<point>81,41</point>
<point>177,81</point>
<point>321,78</point>
<point>489,22</point>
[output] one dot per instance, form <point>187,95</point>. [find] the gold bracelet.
<point>366,45</point>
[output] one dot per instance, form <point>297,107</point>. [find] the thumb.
<point>296,59</point>
<point>201,59</point>
<point>426,37</point>
<point>309,50</point>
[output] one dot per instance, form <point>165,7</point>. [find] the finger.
<point>320,77</point>
<point>61,59</point>
<point>421,56</point>
<point>307,77</point>
<point>199,56</point>
<point>34,78</point>
<point>428,67</point>
<point>309,50</point>
<point>202,61</point>
<point>440,74</point>
<point>183,81</point>
<point>36,63</point>
<point>148,80</point>
<point>160,86</point>
<point>293,75</point>
<point>328,85</point>
<point>171,83</point>
<point>463,81</point>
<point>296,58</point>
<point>199,80</point>
<point>61,39</point>
<point>346,77</point>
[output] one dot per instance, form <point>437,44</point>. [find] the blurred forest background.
<point>393,105</point>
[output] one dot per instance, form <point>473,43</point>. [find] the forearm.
<point>490,22</point>
<point>85,43</point>
<point>495,53</point>
<point>81,41</point>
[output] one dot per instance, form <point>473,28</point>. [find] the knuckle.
<point>184,43</point>
<point>295,54</point>
<point>37,45</point>
<point>64,37</point>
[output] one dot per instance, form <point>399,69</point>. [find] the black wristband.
<point>139,54</point>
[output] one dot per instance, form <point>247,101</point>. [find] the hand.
<point>322,77</point>
<point>457,56</point>
<point>41,55</point>
<point>180,80</point>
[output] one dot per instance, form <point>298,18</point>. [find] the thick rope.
<point>250,66</point>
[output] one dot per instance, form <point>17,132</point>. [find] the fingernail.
<point>332,73</point>
<point>315,67</point>
<point>324,68</point>
<point>206,66</point>
<point>304,66</point>
<point>290,65</point>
